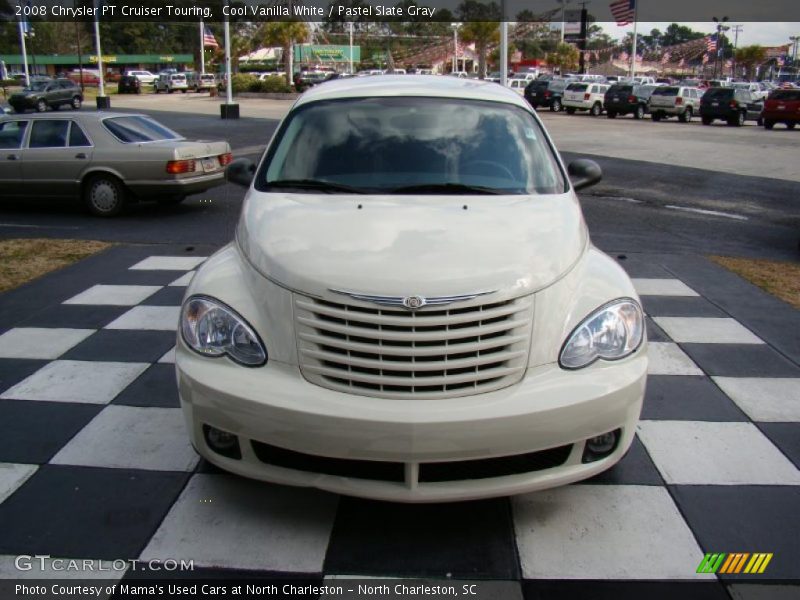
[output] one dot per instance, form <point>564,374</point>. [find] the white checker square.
<point>715,453</point>
<point>132,437</point>
<point>183,280</point>
<point>663,287</point>
<point>114,295</point>
<point>168,263</point>
<point>232,522</point>
<point>763,398</point>
<point>665,358</point>
<point>40,342</point>
<point>153,318</point>
<point>13,475</point>
<point>707,330</point>
<point>89,382</point>
<point>169,357</point>
<point>604,532</point>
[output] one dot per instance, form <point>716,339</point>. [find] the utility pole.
<point>455,46</point>
<point>736,30</point>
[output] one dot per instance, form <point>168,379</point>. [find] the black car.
<point>735,106</point>
<point>42,95</point>
<point>129,84</point>
<point>542,92</point>
<point>627,99</point>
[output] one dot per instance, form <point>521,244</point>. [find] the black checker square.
<point>157,386</point>
<point>123,345</point>
<point>687,398</point>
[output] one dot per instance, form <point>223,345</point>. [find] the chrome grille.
<point>362,348</point>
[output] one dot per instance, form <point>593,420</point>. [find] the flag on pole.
<point>623,11</point>
<point>209,41</point>
<point>711,43</point>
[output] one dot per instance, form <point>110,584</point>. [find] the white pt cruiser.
<point>412,309</point>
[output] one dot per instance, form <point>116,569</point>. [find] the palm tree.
<point>565,57</point>
<point>483,34</point>
<point>750,57</point>
<point>285,34</point>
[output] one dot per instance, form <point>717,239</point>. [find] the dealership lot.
<point>93,440</point>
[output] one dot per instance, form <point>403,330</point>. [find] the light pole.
<point>455,46</point>
<point>720,28</point>
<point>795,39</point>
<point>736,30</point>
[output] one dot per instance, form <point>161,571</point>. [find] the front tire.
<point>556,106</point>
<point>611,114</point>
<point>639,113</point>
<point>41,106</point>
<point>596,110</point>
<point>76,103</point>
<point>104,195</point>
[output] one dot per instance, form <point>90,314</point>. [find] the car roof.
<point>410,86</point>
<point>82,115</point>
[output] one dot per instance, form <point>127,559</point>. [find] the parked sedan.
<point>41,95</point>
<point>106,159</point>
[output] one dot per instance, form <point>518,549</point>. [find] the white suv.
<point>144,77</point>
<point>584,95</point>
<point>672,100</point>
<point>170,82</point>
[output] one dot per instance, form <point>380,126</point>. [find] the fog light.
<point>601,446</point>
<point>222,442</point>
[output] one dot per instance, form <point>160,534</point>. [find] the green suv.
<point>42,95</point>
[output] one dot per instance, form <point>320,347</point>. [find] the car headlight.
<point>611,332</point>
<point>213,329</point>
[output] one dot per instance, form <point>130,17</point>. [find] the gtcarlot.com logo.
<point>44,562</point>
<point>734,563</point>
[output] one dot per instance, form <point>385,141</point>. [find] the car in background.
<point>782,106</point>
<point>129,84</point>
<point>456,337</point>
<point>146,77</point>
<point>518,85</point>
<point>643,80</point>
<point>106,159</point>
<point>268,74</point>
<point>673,100</point>
<point>307,79</point>
<point>627,99</point>
<point>547,93</point>
<point>51,93</point>
<point>87,77</point>
<point>757,90</point>
<point>201,81</point>
<point>171,82</point>
<point>585,96</point>
<point>734,106</point>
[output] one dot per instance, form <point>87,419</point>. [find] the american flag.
<point>623,11</point>
<point>209,41</point>
<point>711,43</point>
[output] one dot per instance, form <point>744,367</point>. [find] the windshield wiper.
<point>445,188</point>
<point>317,185</point>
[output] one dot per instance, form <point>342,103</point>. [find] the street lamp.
<point>720,28</point>
<point>455,46</point>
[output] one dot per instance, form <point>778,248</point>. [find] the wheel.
<point>656,117</point>
<point>556,106</point>
<point>706,120</point>
<point>596,110</point>
<point>570,110</point>
<point>104,195</point>
<point>170,90</point>
<point>611,114</point>
<point>687,115</point>
<point>41,106</point>
<point>769,124</point>
<point>639,112</point>
<point>736,121</point>
<point>76,102</point>
<point>790,125</point>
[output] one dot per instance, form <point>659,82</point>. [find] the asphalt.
<point>638,207</point>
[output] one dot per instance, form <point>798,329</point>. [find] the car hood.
<point>25,94</point>
<point>404,245</point>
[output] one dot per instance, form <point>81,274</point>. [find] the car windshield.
<point>665,91</point>
<point>719,93</point>
<point>577,87</point>
<point>138,129</point>
<point>412,145</point>
<point>37,86</point>
<point>620,89</point>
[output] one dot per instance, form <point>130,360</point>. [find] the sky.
<point>763,34</point>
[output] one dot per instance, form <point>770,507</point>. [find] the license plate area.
<point>209,164</point>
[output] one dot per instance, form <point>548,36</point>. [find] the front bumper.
<point>550,408</point>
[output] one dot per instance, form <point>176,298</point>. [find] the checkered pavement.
<point>95,462</point>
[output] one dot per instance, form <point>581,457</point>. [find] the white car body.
<point>171,82</point>
<point>585,95</point>
<point>518,85</point>
<point>759,91</point>
<point>144,76</point>
<point>298,271</point>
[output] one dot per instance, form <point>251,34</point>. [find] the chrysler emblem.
<point>414,302</point>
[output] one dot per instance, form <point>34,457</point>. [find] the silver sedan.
<point>105,159</point>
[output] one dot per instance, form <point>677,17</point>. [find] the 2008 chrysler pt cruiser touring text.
<point>412,309</point>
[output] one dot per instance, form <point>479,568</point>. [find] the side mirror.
<point>241,172</point>
<point>584,173</point>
